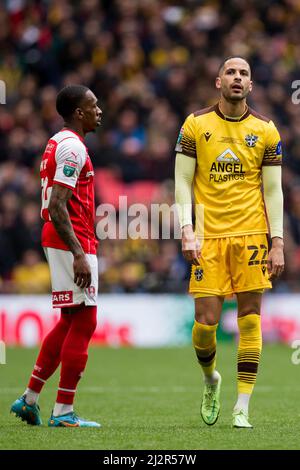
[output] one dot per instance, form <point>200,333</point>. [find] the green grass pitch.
<point>150,398</point>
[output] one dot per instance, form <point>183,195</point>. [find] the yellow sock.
<point>204,341</point>
<point>249,349</point>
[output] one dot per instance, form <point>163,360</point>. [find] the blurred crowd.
<point>150,63</point>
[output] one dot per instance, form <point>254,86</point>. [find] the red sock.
<point>49,357</point>
<point>74,353</point>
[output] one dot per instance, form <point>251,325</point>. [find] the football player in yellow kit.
<point>226,153</point>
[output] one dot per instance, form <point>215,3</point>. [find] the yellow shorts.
<point>230,265</point>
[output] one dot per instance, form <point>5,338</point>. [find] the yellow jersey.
<point>228,176</point>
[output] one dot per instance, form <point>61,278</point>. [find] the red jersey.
<point>66,162</point>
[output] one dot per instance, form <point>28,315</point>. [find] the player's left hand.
<point>275,261</point>
<point>82,271</point>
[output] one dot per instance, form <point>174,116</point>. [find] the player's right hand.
<point>82,271</point>
<point>190,246</point>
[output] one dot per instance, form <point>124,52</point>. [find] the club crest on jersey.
<point>251,140</point>
<point>69,167</point>
<point>91,291</point>
<point>198,273</point>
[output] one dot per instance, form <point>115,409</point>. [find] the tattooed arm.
<point>62,223</point>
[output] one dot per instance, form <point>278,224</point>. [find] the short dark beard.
<point>234,99</point>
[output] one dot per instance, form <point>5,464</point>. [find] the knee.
<point>249,321</point>
<point>248,309</point>
<point>206,318</point>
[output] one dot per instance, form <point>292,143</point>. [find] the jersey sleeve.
<point>273,147</point>
<point>186,142</point>
<point>70,158</point>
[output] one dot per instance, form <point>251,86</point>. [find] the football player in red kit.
<point>69,242</point>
